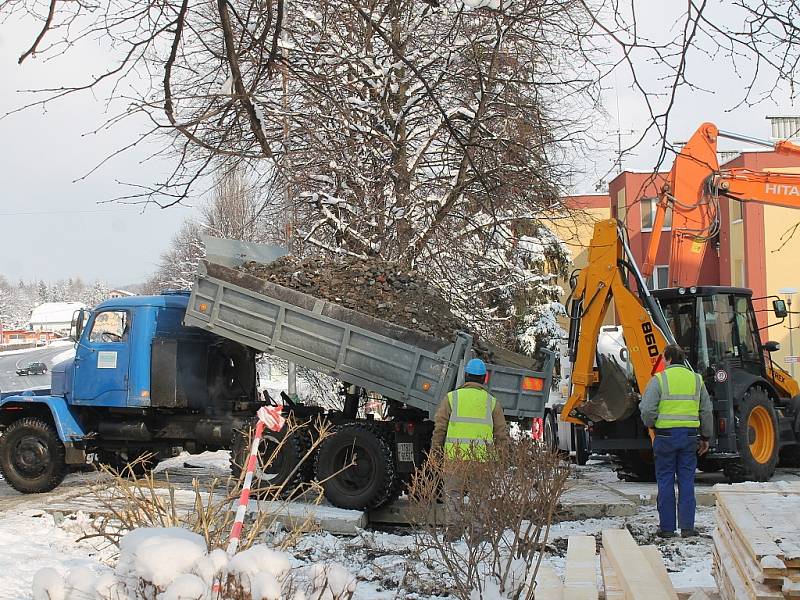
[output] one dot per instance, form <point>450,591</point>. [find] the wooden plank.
<point>754,589</point>
<point>773,487</point>
<point>731,586</point>
<point>580,577</point>
<point>748,531</point>
<point>548,584</point>
<point>777,515</point>
<point>745,560</point>
<point>653,556</point>
<point>632,568</point>
<point>611,585</point>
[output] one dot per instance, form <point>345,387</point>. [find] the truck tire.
<point>290,468</point>
<point>369,482</point>
<point>32,456</point>
<point>756,438</point>
<point>582,451</point>
<point>550,432</point>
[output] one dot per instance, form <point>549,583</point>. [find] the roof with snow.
<point>55,312</point>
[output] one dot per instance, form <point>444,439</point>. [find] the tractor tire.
<point>756,438</point>
<point>32,456</point>
<point>129,463</point>
<point>370,482</point>
<point>290,468</point>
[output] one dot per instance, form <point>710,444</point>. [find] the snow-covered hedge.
<point>171,563</point>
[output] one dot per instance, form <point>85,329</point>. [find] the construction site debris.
<point>371,286</point>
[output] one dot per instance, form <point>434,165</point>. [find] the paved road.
<point>11,382</point>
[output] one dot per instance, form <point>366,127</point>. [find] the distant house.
<point>119,294</point>
<point>10,336</point>
<point>54,316</point>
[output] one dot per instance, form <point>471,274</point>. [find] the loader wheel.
<point>369,480</point>
<point>283,472</point>
<point>756,438</point>
<point>637,465</point>
<point>32,456</point>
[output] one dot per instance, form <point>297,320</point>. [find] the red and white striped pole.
<point>271,417</point>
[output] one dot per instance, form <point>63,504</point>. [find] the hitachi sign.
<point>782,188</point>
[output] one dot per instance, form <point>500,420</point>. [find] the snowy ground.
<point>385,561</point>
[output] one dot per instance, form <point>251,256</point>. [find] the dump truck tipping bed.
<point>398,363</point>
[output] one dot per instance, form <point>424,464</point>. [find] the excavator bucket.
<point>614,399</point>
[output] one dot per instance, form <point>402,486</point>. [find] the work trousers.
<point>675,452</point>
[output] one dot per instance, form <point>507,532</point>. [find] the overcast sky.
<point>50,227</point>
<point>53,228</point>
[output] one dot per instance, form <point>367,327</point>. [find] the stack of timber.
<point>628,571</point>
<point>757,541</point>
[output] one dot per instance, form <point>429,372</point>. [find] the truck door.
<point>101,360</point>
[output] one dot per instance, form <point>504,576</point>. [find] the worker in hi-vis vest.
<point>676,404</point>
<point>466,421</point>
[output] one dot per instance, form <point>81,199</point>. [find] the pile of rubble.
<point>370,286</point>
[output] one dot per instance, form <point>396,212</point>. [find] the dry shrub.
<point>133,501</point>
<point>491,544</point>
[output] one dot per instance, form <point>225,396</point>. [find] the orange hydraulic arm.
<point>644,329</point>
<point>692,190</point>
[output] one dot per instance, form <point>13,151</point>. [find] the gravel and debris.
<point>372,286</point>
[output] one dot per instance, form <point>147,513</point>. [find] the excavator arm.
<point>644,328</point>
<point>692,192</point>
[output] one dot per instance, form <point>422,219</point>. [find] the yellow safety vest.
<point>680,398</point>
<point>471,424</point>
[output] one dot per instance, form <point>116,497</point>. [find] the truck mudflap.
<point>67,425</point>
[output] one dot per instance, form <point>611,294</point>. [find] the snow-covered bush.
<point>170,563</point>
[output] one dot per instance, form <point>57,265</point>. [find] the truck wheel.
<point>756,438</point>
<point>550,433</point>
<point>32,456</point>
<point>368,483</point>
<point>290,468</point>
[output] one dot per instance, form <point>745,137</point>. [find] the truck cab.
<point>140,383</point>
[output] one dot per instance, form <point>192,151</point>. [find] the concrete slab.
<point>292,515</point>
<point>399,513</point>
<point>589,500</point>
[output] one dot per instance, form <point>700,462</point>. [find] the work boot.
<point>665,534</point>
<point>686,533</point>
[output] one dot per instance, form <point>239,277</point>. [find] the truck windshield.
<point>680,316</point>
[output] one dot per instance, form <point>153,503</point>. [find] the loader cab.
<point>716,326</point>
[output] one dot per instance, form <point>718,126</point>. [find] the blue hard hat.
<point>475,367</point>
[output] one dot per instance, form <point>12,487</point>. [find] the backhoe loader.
<point>756,403</point>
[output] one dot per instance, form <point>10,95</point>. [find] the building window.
<point>648,214</point>
<point>622,209</point>
<point>736,211</point>
<point>659,279</point>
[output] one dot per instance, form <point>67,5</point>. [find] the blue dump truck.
<point>178,370</point>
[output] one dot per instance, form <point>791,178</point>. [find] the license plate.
<point>405,451</point>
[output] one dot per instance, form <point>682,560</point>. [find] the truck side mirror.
<point>772,346</point>
<point>76,327</point>
<point>779,308</point>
